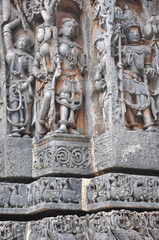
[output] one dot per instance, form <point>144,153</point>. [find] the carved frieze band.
<point>48,193</point>
<point>123,190</point>
<point>104,192</point>
<point>115,225</point>
<point>71,156</point>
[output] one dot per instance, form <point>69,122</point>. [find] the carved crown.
<point>129,20</point>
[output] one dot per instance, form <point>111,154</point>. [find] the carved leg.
<point>129,113</point>
<point>149,124</point>
<point>64,113</point>
<point>63,118</point>
<point>15,119</point>
<point>72,125</point>
<point>29,113</point>
<point>41,128</point>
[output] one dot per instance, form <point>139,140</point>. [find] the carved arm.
<point>8,35</point>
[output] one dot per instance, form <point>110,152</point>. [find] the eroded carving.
<point>20,79</point>
<point>115,225</point>
<point>125,188</point>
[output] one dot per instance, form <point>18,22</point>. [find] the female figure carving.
<point>20,80</point>
<point>69,86</point>
<point>136,71</point>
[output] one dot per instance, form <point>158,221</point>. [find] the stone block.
<point>127,150</point>
<point>18,157</point>
<point>62,154</point>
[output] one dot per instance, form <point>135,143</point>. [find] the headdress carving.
<point>129,20</point>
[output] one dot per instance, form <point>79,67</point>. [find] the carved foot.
<point>151,129</point>
<point>73,131</point>
<point>15,134</point>
<point>63,131</point>
<point>137,129</point>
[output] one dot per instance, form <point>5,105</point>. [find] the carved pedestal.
<point>79,120</point>
<point>70,153</point>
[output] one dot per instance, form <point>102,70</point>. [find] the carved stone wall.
<point>79,119</point>
<point>113,225</point>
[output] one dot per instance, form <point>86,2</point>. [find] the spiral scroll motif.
<point>62,155</point>
<point>78,157</point>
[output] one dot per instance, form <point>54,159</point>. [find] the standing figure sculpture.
<point>102,84</point>
<point>137,70</point>
<point>69,87</point>
<point>46,69</point>
<point>151,32</point>
<point>20,80</point>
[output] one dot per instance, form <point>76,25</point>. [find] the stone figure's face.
<point>134,35</point>
<point>40,34</point>
<point>22,43</point>
<point>68,29</point>
<point>100,46</point>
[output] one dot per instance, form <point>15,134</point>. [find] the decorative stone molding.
<point>99,193</point>
<point>124,191</point>
<point>45,193</point>
<point>72,154</point>
<point>114,225</point>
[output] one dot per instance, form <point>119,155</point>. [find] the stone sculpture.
<point>46,69</point>
<point>20,80</point>
<point>70,94</point>
<point>137,69</point>
<point>85,125</point>
<point>115,225</point>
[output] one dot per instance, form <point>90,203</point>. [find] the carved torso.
<point>136,57</point>
<point>20,63</point>
<point>69,54</point>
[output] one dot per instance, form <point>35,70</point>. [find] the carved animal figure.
<point>122,234</point>
<point>50,194</point>
<point>16,200</point>
<point>54,235</point>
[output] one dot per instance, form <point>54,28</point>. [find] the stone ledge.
<point>114,225</point>
<point>123,190</point>
<point>99,193</point>
<point>75,155</point>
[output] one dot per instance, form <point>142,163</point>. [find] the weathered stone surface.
<point>122,190</point>
<point>126,149</point>
<point>18,157</point>
<point>79,77</point>
<point>44,194</point>
<point>104,192</point>
<point>2,164</point>
<point>62,154</point>
<point>114,225</point>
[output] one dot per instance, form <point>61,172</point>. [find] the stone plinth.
<point>127,150</point>
<point>64,154</point>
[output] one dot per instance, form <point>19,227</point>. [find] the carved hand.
<point>23,87</point>
<point>58,72</point>
<point>41,76</point>
<point>150,71</point>
<point>12,24</point>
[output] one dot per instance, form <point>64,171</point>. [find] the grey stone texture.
<point>79,108</point>
<point>115,225</point>
<point>127,149</point>
<point>108,191</point>
<point>72,154</point>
